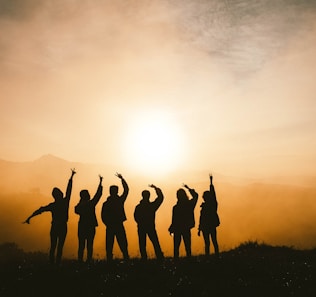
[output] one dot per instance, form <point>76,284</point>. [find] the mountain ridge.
<point>53,160</point>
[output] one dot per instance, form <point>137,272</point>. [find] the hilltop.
<point>251,269</point>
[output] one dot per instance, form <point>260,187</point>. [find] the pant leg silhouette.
<point>187,241</point>
<point>206,236</point>
<point>57,239</point>
<point>109,242</point>
<point>90,239</point>
<point>53,244</point>
<point>214,240</point>
<point>176,244</point>
<point>82,242</point>
<point>142,243</point>
<point>122,240</point>
<point>152,234</point>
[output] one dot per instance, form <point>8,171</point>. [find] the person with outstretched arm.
<point>59,210</point>
<point>183,220</point>
<point>144,215</point>
<point>113,216</point>
<point>88,221</point>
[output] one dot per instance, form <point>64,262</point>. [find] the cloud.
<point>225,63</point>
<point>18,10</point>
<point>244,34</point>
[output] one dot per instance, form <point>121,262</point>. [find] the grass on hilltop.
<point>251,269</point>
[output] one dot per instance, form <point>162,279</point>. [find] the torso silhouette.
<point>209,218</point>
<point>113,211</point>
<point>145,213</point>
<point>183,215</point>
<point>86,210</point>
<point>59,210</point>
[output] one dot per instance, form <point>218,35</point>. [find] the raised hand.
<point>73,172</point>
<point>186,186</point>
<point>100,177</point>
<point>211,177</point>
<point>152,186</point>
<point>119,175</point>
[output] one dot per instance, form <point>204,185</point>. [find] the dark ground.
<point>252,269</point>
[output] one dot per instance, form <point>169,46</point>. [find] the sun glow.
<point>154,142</point>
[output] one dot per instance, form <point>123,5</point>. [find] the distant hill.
<point>45,172</point>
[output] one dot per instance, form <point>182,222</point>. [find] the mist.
<point>235,75</point>
<point>250,210</point>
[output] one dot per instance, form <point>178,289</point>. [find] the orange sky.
<point>235,80</point>
<point>161,87</point>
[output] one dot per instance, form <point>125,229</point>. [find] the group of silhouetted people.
<point>113,216</point>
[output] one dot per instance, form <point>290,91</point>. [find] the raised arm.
<point>125,186</point>
<point>98,194</point>
<point>194,195</point>
<point>159,199</point>
<point>212,189</point>
<point>69,186</point>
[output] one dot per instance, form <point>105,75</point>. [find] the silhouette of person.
<point>144,215</point>
<point>209,219</point>
<point>59,209</point>
<point>113,216</point>
<point>183,220</point>
<point>87,221</point>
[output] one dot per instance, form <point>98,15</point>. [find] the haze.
<point>223,86</point>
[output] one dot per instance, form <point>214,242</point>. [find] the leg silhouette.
<point>61,241</point>
<point>206,236</point>
<point>187,242</point>
<point>122,241</point>
<point>53,244</point>
<point>82,244</point>
<point>214,241</point>
<point>154,239</point>
<point>109,243</point>
<point>176,244</point>
<point>90,240</point>
<point>142,243</point>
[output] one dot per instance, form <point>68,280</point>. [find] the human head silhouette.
<point>113,190</point>
<point>206,196</point>
<point>146,195</point>
<point>57,194</point>
<point>84,195</point>
<point>182,195</point>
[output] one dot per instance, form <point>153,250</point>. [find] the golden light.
<point>154,142</point>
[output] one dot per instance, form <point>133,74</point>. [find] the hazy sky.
<point>222,85</point>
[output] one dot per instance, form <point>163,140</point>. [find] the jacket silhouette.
<point>183,220</point>
<point>88,221</point>
<point>59,210</point>
<point>209,219</point>
<point>113,216</point>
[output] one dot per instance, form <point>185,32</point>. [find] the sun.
<point>154,142</point>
